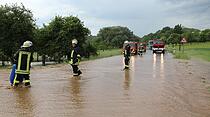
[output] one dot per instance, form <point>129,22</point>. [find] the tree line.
<point>53,40</point>
<point>174,35</point>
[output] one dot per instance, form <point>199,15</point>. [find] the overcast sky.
<point>141,16</point>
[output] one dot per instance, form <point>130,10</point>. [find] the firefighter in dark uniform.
<point>23,59</point>
<point>141,49</point>
<point>75,58</point>
<point>127,54</point>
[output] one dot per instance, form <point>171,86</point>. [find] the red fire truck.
<point>158,46</point>
<point>134,47</point>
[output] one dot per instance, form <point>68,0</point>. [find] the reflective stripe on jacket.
<point>75,56</point>
<point>23,66</point>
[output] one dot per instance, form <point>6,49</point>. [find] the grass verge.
<point>208,88</point>
<point>181,55</point>
<point>191,50</point>
<point>103,54</point>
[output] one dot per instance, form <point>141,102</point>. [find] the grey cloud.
<point>141,16</point>
<point>192,13</point>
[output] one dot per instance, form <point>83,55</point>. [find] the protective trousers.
<point>19,78</point>
<point>76,70</point>
<point>127,59</point>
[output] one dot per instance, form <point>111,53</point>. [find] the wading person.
<point>127,54</point>
<point>23,59</point>
<point>75,58</point>
<point>141,49</point>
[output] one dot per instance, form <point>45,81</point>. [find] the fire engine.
<point>158,46</point>
<point>134,47</point>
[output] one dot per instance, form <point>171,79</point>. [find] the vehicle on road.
<point>134,47</point>
<point>141,48</point>
<point>158,46</point>
<point>150,44</point>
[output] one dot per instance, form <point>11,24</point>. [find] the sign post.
<point>183,41</point>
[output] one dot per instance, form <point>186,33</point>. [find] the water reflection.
<point>132,62</point>
<point>162,75</point>
<point>24,102</point>
<point>127,80</point>
<point>154,65</point>
<point>76,96</point>
<point>126,86</point>
<point>158,65</point>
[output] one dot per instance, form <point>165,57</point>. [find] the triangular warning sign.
<point>184,40</point>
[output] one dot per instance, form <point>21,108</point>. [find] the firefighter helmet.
<point>27,44</point>
<point>74,41</point>
<point>126,42</point>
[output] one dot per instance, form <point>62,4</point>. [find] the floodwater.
<point>155,86</point>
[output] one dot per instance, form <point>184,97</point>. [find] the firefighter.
<point>141,49</point>
<point>127,54</point>
<point>75,58</point>
<point>23,58</point>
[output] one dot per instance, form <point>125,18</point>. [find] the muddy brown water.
<point>155,86</point>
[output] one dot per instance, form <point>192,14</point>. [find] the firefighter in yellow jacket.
<point>23,59</point>
<point>75,58</point>
<point>127,54</point>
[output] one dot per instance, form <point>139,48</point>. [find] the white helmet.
<point>74,41</point>
<point>27,44</point>
<point>125,42</point>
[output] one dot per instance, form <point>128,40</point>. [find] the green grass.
<point>208,88</point>
<point>105,53</point>
<point>6,67</point>
<point>180,55</point>
<point>101,54</point>
<point>193,50</point>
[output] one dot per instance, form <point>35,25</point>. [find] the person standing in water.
<point>127,54</point>
<point>75,58</point>
<point>23,59</point>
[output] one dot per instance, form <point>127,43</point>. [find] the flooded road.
<point>155,86</point>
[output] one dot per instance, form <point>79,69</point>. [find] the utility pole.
<point>180,38</point>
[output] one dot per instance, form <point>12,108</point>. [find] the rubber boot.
<point>28,84</point>
<point>79,72</point>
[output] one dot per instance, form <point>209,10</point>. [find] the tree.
<point>89,49</point>
<point>115,36</point>
<point>42,42</point>
<point>191,34</point>
<point>173,35</point>
<point>148,37</point>
<point>57,41</point>
<point>73,28</point>
<point>205,35</point>
<point>166,29</point>
<point>188,36</point>
<point>178,29</point>
<point>174,38</point>
<point>16,26</point>
<point>54,39</point>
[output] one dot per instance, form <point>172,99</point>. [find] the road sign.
<point>183,40</point>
